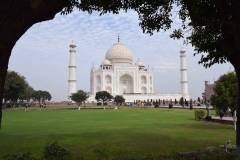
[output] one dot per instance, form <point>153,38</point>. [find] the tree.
<point>181,101</point>
<point>225,92</point>
<point>191,105</point>
<point>163,101</point>
<point>79,97</point>
<point>212,26</point>
<point>175,101</point>
<point>119,99</point>
<point>103,96</point>
<point>199,99</point>
<point>27,93</point>
<point>14,86</point>
<point>41,96</point>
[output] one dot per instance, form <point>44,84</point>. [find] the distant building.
<point>208,91</point>
<point>209,88</point>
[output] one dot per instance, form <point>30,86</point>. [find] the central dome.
<point>119,53</point>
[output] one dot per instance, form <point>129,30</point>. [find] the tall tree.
<point>14,86</point>
<point>181,101</point>
<point>213,26</point>
<point>199,99</point>
<point>79,97</point>
<point>103,96</point>
<point>225,92</point>
<point>27,93</point>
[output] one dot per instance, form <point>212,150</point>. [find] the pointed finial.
<point>118,38</point>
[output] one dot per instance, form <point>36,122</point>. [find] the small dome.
<point>139,63</point>
<point>106,62</point>
<point>119,53</point>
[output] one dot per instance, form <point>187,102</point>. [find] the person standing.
<point>26,109</point>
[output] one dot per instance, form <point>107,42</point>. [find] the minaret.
<point>72,70</point>
<point>184,82</point>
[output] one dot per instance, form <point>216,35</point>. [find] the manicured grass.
<point>128,131</point>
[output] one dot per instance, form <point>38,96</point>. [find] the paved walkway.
<point>224,118</point>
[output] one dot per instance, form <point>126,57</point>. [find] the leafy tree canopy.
<point>27,93</point>
<point>41,96</point>
<point>103,96</point>
<point>119,99</point>
<point>79,97</point>
<point>15,85</point>
<point>225,92</point>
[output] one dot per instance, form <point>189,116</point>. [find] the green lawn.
<point>127,131</point>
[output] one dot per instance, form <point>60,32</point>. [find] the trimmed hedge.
<point>170,106</point>
<point>199,114</point>
<point>99,104</point>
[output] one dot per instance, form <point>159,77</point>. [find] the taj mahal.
<point>118,75</point>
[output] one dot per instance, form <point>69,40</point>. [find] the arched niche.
<point>108,79</point>
<point>126,84</point>
<point>109,89</point>
<point>143,90</point>
<point>98,89</point>
<point>143,79</point>
<point>150,79</point>
<point>98,78</point>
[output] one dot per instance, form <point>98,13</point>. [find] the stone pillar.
<point>184,82</point>
<point>72,70</point>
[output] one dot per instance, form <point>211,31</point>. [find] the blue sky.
<point>42,53</point>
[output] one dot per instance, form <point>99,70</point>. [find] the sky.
<point>42,53</point>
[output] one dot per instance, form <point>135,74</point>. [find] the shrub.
<point>55,152</point>
<point>170,105</point>
<point>156,105</point>
<point>191,105</point>
<point>24,156</point>
<point>99,104</point>
<point>105,104</point>
<point>199,114</point>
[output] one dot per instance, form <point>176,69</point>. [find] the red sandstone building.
<point>208,91</point>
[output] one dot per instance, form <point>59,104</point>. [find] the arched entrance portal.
<point>126,84</point>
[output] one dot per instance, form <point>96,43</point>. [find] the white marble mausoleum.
<point>118,75</point>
